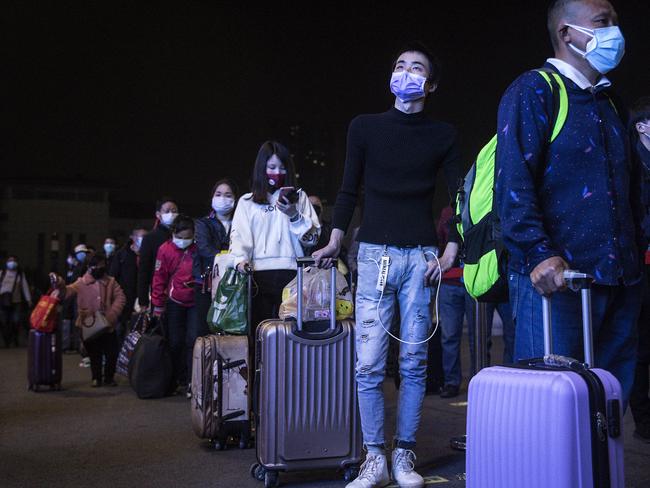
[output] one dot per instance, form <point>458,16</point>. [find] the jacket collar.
<point>576,76</point>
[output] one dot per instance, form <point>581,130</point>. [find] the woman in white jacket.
<point>269,231</point>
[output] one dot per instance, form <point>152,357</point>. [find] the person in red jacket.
<point>172,292</point>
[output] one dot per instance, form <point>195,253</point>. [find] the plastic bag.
<point>220,265</point>
<point>229,310</point>
<point>316,296</point>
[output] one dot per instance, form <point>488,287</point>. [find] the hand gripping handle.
<point>575,281</point>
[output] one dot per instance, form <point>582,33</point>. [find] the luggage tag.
<point>383,273</point>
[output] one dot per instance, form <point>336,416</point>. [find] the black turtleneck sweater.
<point>397,157</point>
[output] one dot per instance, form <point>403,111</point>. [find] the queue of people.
<point>580,201</point>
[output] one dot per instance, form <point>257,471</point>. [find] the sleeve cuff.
<point>532,262</point>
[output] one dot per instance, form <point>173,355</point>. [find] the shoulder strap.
<point>560,100</point>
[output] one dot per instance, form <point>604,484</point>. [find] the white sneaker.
<point>373,473</point>
<point>404,469</point>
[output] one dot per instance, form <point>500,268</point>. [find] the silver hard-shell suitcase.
<point>307,413</point>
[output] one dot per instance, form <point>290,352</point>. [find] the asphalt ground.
<point>107,437</point>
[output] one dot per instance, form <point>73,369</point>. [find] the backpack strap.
<point>560,100</point>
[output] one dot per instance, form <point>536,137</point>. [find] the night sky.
<point>160,100</point>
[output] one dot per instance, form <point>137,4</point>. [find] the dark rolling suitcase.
<point>44,360</point>
<point>546,422</point>
<point>307,413</point>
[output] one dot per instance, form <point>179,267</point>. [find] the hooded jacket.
<point>172,278</point>
<point>266,237</point>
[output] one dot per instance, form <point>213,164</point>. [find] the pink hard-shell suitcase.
<point>547,422</point>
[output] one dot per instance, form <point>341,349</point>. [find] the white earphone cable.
<point>435,329</point>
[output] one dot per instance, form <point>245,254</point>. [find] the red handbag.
<point>44,315</point>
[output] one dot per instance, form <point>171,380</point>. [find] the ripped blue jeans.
<point>404,288</point>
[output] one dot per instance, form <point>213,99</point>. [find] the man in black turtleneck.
<point>396,156</point>
<point>166,212</point>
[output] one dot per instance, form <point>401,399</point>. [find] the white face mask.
<point>168,218</point>
<point>223,205</point>
<point>109,248</point>
<point>182,243</point>
<point>606,48</point>
<point>138,242</point>
<point>12,265</point>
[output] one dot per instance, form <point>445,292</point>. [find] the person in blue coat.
<point>573,203</point>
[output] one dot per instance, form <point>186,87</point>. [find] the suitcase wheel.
<point>350,473</point>
<point>257,472</point>
<point>271,479</point>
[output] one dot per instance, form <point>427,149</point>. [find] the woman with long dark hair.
<point>270,227</point>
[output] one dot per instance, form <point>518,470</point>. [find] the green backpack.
<point>485,268</point>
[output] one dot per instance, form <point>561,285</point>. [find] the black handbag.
<point>150,367</point>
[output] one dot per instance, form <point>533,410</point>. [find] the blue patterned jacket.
<point>577,197</point>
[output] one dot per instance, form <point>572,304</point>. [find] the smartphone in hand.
<point>289,193</point>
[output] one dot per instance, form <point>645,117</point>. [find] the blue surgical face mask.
<point>109,248</point>
<point>81,256</point>
<point>182,243</point>
<point>12,265</point>
<point>606,48</point>
<point>407,86</point>
<point>138,242</point>
<point>168,218</point>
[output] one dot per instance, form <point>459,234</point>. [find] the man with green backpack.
<point>567,194</point>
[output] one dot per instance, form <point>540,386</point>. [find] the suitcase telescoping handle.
<point>576,281</point>
<point>307,261</point>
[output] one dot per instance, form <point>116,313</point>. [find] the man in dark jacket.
<point>639,401</point>
<point>166,212</point>
<point>124,268</point>
<point>571,202</point>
